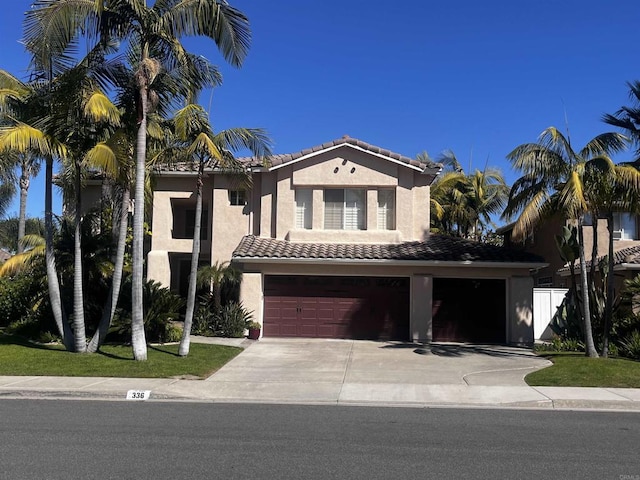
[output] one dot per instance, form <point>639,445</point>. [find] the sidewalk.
<point>343,382</point>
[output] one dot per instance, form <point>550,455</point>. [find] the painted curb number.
<point>138,394</point>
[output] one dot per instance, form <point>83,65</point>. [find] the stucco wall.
<point>345,167</point>
<point>421,311</point>
<point>230,222</point>
<point>251,294</point>
<point>520,314</point>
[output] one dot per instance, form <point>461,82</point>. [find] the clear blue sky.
<point>478,78</point>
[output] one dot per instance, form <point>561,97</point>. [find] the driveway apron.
<point>314,370</point>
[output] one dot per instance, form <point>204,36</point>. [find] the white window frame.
<point>386,209</point>
<point>238,198</point>
<point>625,226</point>
<point>304,208</point>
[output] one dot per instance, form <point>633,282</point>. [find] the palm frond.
<point>216,19</point>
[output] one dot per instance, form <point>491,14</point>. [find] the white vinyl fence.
<point>545,303</point>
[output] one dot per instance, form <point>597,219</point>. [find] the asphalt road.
<point>71,439</point>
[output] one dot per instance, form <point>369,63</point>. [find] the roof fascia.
<point>403,263</point>
<point>356,147</point>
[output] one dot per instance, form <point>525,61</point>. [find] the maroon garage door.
<point>469,310</point>
<point>336,307</point>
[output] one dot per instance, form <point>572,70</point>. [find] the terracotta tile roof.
<point>437,248</point>
<point>629,255</point>
<point>280,159</point>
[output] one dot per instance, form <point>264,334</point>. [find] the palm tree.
<point>215,276</point>
<point>610,188</point>
<point>22,106</point>
<point>29,166</point>
<point>628,118</point>
<point>462,204</point>
<point>152,35</point>
<point>204,148</point>
<point>623,193</point>
<point>7,183</point>
<point>552,181</point>
<point>76,114</point>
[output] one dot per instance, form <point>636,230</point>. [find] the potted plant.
<point>254,330</point>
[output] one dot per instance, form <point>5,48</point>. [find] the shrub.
<point>203,317</point>
<point>17,296</point>
<point>559,344</point>
<point>231,320</point>
<point>161,307</point>
<point>173,333</point>
<point>630,346</point>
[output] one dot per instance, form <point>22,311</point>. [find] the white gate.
<point>545,303</point>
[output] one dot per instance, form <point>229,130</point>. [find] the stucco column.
<point>520,319</point>
<point>372,209</point>
<point>285,204</point>
<point>158,268</point>
<point>317,218</point>
<point>421,315</point>
<point>251,294</point>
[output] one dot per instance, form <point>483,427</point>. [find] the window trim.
<point>303,208</point>
<point>238,198</point>
<point>359,210</point>
<point>388,214</point>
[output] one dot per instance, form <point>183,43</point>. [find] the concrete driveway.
<point>313,370</point>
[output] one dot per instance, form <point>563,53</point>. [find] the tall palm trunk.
<point>79,334</point>
<point>608,306</point>
<point>195,256</point>
<point>138,340</point>
<point>116,280</point>
<point>52,275</point>
<point>22,216</point>
<point>594,246</point>
<point>590,348</point>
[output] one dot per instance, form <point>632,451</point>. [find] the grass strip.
<point>575,370</point>
<point>21,357</point>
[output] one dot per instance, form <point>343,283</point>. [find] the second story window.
<point>345,209</point>
<point>237,197</point>
<point>386,209</point>
<point>624,226</point>
<point>304,208</point>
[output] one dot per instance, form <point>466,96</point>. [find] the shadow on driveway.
<point>454,350</point>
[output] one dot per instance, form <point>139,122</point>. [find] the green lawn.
<point>20,357</point>
<point>576,370</point>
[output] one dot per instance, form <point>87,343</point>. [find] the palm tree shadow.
<point>163,350</point>
<point>6,339</point>
<point>113,355</point>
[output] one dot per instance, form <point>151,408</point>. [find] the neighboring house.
<point>556,274</point>
<point>334,242</point>
<point>4,256</point>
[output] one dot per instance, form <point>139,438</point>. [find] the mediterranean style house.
<point>626,246</point>
<point>334,242</point>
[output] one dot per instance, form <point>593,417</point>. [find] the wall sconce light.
<point>335,170</point>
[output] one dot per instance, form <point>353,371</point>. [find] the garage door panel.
<point>469,310</point>
<point>339,307</point>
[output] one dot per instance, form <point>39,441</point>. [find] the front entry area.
<point>469,310</point>
<point>374,308</point>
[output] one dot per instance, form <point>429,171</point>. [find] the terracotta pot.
<point>254,333</point>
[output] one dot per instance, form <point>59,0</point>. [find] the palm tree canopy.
<point>557,178</point>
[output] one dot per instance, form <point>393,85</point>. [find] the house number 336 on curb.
<point>138,394</point>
